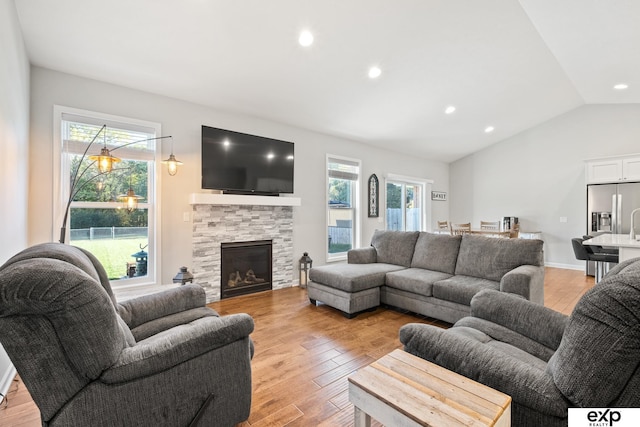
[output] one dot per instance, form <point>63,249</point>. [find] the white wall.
<point>538,175</point>
<point>14,164</point>
<point>183,120</point>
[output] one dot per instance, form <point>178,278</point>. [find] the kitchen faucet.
<point>632,234</point>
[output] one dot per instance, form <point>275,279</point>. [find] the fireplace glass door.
<point>246,267</point>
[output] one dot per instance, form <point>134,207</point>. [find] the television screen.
<point>245,164</point>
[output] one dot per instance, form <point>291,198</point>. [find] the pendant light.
<point>104,160</point>
<point>172,163</point>
<point>130,200</point>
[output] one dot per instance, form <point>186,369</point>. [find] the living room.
<point>534,171</point>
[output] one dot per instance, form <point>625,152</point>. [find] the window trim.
<point>61,193</point>
<point>342,256</point>
<point>426,184</point>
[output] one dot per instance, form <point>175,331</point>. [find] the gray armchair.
<point>546,361</point>
<point>162,360</point>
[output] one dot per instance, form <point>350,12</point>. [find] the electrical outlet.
<point>186,217</point>
<point>563,219</point>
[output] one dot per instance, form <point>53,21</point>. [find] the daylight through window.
<point>122,240</point>
<point>342,214</point>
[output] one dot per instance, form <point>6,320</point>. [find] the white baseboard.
<point>565,266</point>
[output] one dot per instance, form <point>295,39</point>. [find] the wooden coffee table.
<point>403,390</point>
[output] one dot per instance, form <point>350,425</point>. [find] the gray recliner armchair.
<point>161,360</point>
<point>546,361</point>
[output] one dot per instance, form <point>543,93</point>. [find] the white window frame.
<point>152,204</point>
<point>426,185</point>
<point>356,206</point>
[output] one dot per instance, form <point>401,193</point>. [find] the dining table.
<point>490,233</point>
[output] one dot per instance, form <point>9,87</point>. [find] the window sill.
<point>337,257</point>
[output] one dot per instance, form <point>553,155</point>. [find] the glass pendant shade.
<point>172,164</point>
<point>130,200</point>
<point>105,160</point>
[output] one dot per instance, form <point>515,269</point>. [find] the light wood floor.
<point>304,354</point>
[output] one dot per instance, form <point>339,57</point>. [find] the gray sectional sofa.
<point>546,361</point>
<point>431,274</point>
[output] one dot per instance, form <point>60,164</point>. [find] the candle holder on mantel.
<point>183,276</point>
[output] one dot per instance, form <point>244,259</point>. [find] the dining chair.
<point>490,225</point>
<point>515,231</point>
<point>443,227</point>
<point>460,228</point>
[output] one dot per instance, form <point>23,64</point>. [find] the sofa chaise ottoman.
<point>431,274</point>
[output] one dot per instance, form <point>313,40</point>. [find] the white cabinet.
<point>619,169</point>
<point>604,171</point>
<point>631,169</point>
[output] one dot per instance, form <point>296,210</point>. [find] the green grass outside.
<point>114,254</point>
<point>339,247</point>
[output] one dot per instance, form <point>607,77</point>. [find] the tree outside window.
<point>98,221</point>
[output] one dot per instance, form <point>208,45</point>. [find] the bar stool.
<point>602,259</point>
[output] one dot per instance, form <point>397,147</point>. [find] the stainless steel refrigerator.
<point>609,208</point>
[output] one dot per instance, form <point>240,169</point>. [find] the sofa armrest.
<point>528,385</point>
<point>138,311</point>
<point>526,280</point>
<point>164,323</point>
<point>534,321</point>
<point>362,255</point>
<point>178,345</point>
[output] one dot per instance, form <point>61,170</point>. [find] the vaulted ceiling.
<point>505,64</point>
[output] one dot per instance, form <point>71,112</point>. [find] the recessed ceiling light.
<point>621,86</point>
<point>306,38</point>
<point>374,72</point>
<point>489,129</point>
<point>450,109</point>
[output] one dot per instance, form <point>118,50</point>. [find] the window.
<point>98,221</point>
<point>406,207</point>
<point>343,186</point>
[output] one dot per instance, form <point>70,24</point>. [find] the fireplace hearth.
<point>246,267</point>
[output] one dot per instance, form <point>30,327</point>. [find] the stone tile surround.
<point>215,223</point>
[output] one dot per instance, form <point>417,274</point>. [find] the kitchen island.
<point>629,248</point>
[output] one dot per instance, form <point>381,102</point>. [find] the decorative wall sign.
<point>439,195</point>
<point>373,196</point>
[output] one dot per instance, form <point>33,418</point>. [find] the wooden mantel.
<point>236,199</point>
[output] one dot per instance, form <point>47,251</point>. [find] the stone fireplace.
<point>221,218</point>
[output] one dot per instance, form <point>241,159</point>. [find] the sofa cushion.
<point>598,355</point>
<point>508,336</point>
<point>481,358</point>
<point>352,277</point>
<point>415,280</point>
<point>491,258</point>
<point>461,289</point>
<point>437,252</point>
<point>394,247</point>
<point>472,333</point>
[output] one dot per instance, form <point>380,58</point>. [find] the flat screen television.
<point>239,163</point>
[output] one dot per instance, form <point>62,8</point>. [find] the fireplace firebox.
<point>245,268</point>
